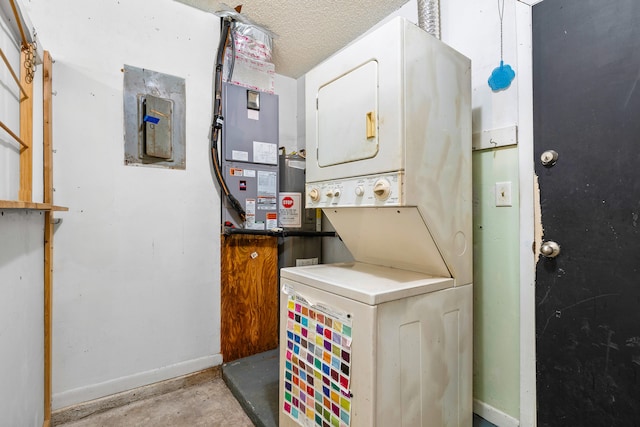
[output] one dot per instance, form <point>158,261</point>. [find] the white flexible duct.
<point>429,16</point>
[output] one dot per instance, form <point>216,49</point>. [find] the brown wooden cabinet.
<point>249,295</point>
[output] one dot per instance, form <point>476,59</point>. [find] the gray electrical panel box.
<point>157,116</point>
<point>249,156</point>
<point>154,119</point>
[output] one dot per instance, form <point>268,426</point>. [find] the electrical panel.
<point>249,156</point>
<point>154,119</point>
<point>157,115</point>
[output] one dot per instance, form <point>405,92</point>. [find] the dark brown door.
<point>586,68</point>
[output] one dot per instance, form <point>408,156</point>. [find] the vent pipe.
<point>429,16</point>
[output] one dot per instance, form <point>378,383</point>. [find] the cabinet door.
<point>249,295</point>
<point>347,115</point>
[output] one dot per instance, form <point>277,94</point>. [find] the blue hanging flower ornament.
<point>502,76</point>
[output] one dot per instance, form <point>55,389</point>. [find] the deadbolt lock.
<point>549,249</point>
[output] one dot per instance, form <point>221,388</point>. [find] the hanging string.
<point>501,15</point>
<point>503,75</point>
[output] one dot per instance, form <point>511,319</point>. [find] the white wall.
<point>9,114</point>
<point>10,96</point>
<point>137,257</point>
<point>528,403</point>
<point>287,90</point>
<point>21,318</point>
<point>137,272</point>
<point>300,123</point>
<point>21,261</point>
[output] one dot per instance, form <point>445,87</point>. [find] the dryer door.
<point>347,117</point>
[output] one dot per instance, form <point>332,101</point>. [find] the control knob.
<point>382,189</point>
<point>314,195</point>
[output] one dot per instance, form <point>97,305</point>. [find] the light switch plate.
<point>503,194</point>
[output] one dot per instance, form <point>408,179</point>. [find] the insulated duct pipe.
<point>429,16</point>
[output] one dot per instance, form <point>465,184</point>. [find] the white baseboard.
<point>95,391</point>
<point>494,415</point>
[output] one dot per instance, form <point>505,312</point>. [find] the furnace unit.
<point>249,156</point>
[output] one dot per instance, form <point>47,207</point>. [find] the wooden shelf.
<point>15,204</point>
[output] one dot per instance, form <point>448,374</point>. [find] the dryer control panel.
<point>365,191</point>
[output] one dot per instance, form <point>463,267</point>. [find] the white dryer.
<point>386,340</point>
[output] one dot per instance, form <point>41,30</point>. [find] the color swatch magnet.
<point>318,365</point>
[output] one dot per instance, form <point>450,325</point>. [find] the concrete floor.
<point>253,380</point>
<point>210,404</point>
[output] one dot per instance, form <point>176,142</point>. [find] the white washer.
<point>409,356</point>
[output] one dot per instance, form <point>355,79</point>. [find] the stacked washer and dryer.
<point>385,340</point>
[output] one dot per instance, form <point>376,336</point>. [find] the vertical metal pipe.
<point>429,16</point>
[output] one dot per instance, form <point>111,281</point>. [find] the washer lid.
<point>389,236</point>
<point>366,283</point>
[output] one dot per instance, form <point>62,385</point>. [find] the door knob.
<point>549,249</point>
<point>549,158</point>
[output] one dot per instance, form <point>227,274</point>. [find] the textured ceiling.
<point>308,31</point>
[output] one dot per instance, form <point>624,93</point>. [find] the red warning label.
<point>272,220</point>
<point>290,210</point>
<point>287,202</point>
